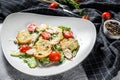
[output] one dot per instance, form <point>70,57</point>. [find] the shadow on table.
<point>77,73</point>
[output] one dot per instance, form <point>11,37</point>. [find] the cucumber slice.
<point>31,61</point>
<point>16,54</point>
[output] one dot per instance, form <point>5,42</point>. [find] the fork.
<point>64,7</point>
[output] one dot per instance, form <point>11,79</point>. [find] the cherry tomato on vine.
<point>106,15</point>
<point>54,5</point>
<point>31,27</point>
<point>45,35</point>
<point>54,56</point>
<point>24,48</point>
<point>68,34</point>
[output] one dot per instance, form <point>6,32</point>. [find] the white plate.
<point>84,31</point>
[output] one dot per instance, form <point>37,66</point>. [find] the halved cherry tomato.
<point>86,17</point>
<point>68,34</point>
<point>106,15</point>
<point>54,56</point>
<point>31,27</point>
<point>54,5</point>
<point>24,48</point>
<point>45,35</point>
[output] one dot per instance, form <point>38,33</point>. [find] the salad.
<point>44,45</point>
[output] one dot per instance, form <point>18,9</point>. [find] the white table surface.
<point>7,72</point>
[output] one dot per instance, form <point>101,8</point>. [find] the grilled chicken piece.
<point>58,36</point>
<point>42,27</point>
<point>68,54</point>
<point>31,51</point>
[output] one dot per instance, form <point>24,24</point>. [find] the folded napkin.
<point>103,63</point>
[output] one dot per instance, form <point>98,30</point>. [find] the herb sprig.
<point>72,3</point>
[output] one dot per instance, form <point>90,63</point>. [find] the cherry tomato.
<point>86,17</point>
<point>106,15</point>
<point>54,56</point>
<point>31,27</point>
<point>45,35</point>
<point>68,34</point>
<point>24,48</point>
<point>54,5</point>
